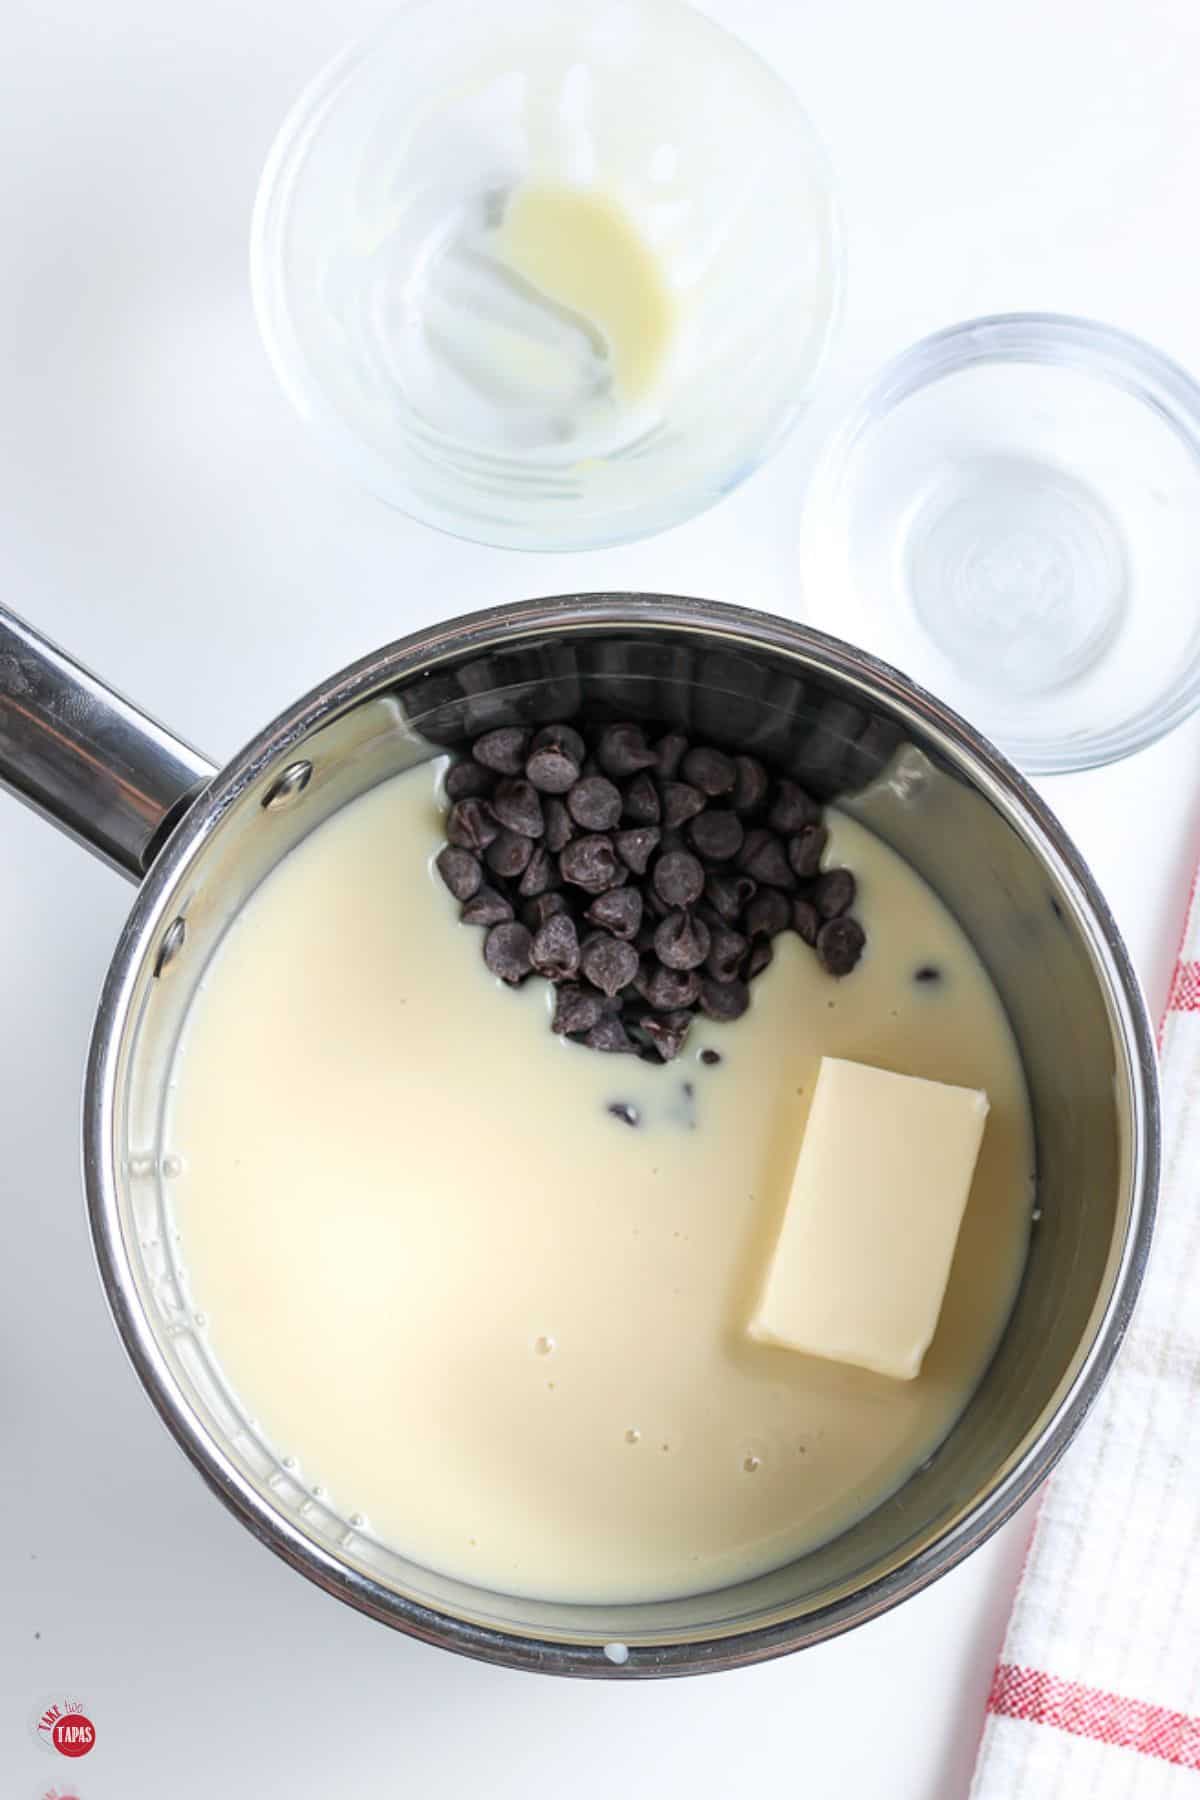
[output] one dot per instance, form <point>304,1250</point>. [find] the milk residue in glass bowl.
<point>558,284</point>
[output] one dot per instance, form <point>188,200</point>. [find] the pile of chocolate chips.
<point>646,880</point>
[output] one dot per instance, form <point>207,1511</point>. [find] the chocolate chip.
<point>681,941</point>
<point>460,871</point>
<point>667,1032</point>
<point>769,913</point>
<point>711,1057</point>
<point>760,955</point>
<point>625,1111</point>
<point>609,1034</point>
<point>535,913</point>
<point>509,853</point>
<point>551,771</point>
<point>486,907</point>
<point>516,805</point>
<point>618,911</point>
<point>806,920</point>
<point>609,964</point>
<point>470,825</point>
<point>590,863</point>
<point>728,894</point>
<point>469,781</point>
<point>725,954</point>
<point>763,858</point>
<point>636,847</point>
<point>710,770</point>
<point>680,803</point>
<point>671,990</point>
<point>716,834</point>
<point>840,944</point>
<point>678,878</point>
<point>833,893</point>
<point>669,752</point>
<point>927,972</point>
<point>502,749</point>
<point>642,804</point>
<point>749,784</point>
<point>554,952</point>
<point>806,849</point>
<point>595,803</point>
<point>564,738</point>
<point>540,874</point>
<point>723,1000</point>
<point>622,750</point>
<point>576,1009</point>
<point>792,809</point>
<point>560,827</point>
<point>506,952</point>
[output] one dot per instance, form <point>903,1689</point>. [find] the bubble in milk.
<point>172,1167</point>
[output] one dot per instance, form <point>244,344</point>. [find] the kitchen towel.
<point>1097,1693</point>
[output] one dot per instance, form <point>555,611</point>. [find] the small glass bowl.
<point>1012,515</point>
<point>415,355</point>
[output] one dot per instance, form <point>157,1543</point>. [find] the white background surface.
<point>164,515</point>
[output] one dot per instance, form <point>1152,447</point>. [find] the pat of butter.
<point>881,1183</point>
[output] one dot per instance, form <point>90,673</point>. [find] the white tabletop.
<point>165,516</point>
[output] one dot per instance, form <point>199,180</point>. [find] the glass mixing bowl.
<point>1012,515</point>
<point>449,387</point>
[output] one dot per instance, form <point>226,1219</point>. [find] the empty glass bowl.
<point>449,385</point>
<point>1012,514</point>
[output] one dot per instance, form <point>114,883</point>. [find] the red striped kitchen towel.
<point>1097,1693</point>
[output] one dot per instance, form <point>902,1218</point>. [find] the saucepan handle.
<point>85,758</point>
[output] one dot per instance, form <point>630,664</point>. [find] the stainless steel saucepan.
<point>199,840</point>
